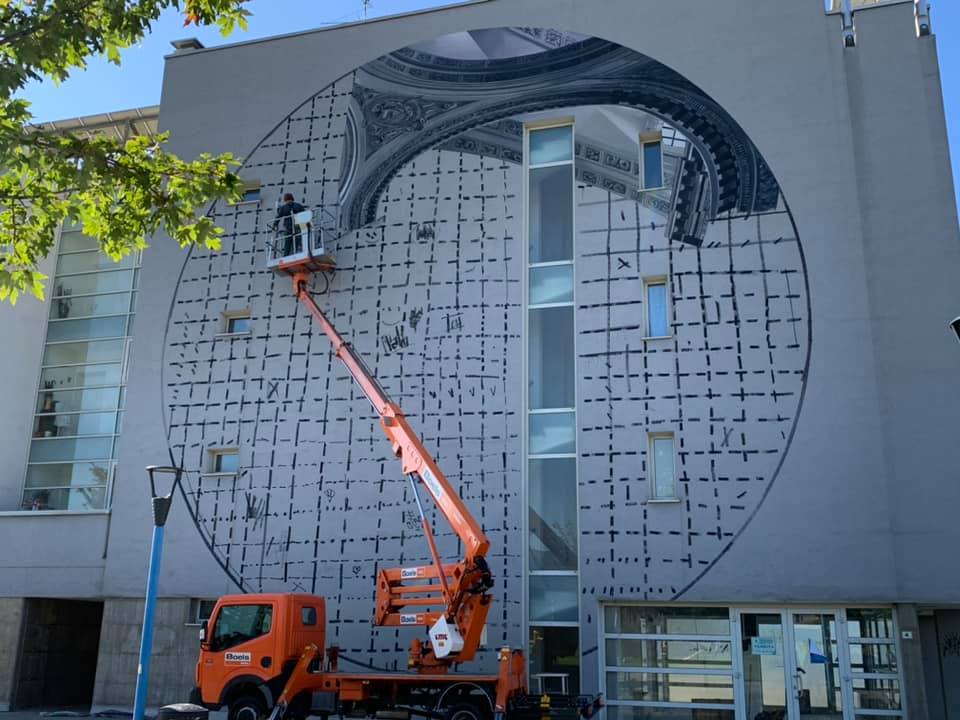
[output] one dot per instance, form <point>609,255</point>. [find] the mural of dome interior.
<point>427,177</point>
<point>421,96</point>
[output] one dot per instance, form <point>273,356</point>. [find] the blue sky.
<point>104,87</point>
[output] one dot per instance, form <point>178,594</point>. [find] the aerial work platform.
<point>296,243</point>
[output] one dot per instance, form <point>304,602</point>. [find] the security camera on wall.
<point>956,327</point>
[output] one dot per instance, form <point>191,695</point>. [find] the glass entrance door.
<point>763,665</point>
<point>789,665</point>
<point>817,693</point>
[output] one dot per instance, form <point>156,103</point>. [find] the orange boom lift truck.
<point>266,653</point>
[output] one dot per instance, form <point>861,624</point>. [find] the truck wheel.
<point>247,707</point>
<point>465,712</point>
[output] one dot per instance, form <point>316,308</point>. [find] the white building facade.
<point>665,290</point>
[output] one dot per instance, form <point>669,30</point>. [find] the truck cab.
<point>250,646</point>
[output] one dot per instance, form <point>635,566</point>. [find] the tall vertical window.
<point>553,599</point>
<point>661,467</point>
<point>655,291</point>
<point>82,381</point>
<point>651,161</point>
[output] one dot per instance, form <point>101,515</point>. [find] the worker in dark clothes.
<point>286,212</point>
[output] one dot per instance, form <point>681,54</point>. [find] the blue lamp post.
<point>161,508</point>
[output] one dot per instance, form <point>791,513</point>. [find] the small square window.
<point>651,161</point>
<point>225,461</point>
<point>251,192</point>
<point>236,322</point>
<point>662,467</point>
<point>657,320</point>
<point>201,610</point>
<point>308,616</point>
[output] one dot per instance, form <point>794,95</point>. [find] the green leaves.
<point>120,192</point>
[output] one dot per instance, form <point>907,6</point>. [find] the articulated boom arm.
<point>455,606</point>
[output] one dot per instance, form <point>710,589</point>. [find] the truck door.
<point>308,625</point>
<point>241,644</point>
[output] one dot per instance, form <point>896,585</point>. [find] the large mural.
<point>416,162</point>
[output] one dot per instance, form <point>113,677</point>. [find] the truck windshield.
<point>239,623</point>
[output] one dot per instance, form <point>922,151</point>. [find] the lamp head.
<point>161,503</point>
<point>956,327</point>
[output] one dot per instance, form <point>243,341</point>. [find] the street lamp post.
<point>161,508</point>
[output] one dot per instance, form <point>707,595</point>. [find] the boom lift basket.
<point>297,241</point>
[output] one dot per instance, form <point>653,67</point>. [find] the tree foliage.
<point>120,192</point>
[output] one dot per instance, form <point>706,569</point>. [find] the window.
<point>236,322</point>
<point>251,192</point>
<point>553,580</point>
<point>551,373</point>
<point>236,624</point>
<point>200,610</point>
<point>553,598</point>
<point>555,658</point>
<point>308,616</point>
<point>550,195</point>
<point>225,461</point>
<point>661,467</point>
<point>651,161</point>
<point>552,492</point>
<point>668,662</point>
<point>655,293</point>
<point>80,397</point>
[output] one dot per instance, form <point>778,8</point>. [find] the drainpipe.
<point>921,9</point>
<point>848,33</point>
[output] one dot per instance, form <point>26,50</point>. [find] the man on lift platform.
<point>291,232</point>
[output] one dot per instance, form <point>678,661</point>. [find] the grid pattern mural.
<point>430,292</point>
<point>727,382</point>
<point>431,299</point>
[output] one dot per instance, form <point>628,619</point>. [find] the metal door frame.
<point>790,655</point>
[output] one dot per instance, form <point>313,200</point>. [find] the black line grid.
<point>430,297</point>
<point>728,383</point>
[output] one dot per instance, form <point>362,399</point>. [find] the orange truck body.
<point>270,646</point>
<point>228,666</point>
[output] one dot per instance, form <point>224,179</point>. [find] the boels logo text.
<point>237,658</point>
<point>441,639</point>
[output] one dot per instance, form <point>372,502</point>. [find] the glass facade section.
<point>552,580</point>
<point>551,284</point>
<point>553,598</point>
<point>80,398</point>
<point>550,354</point>
<point>554,659</point>
<point>552,495</point>
<point>551,145</point>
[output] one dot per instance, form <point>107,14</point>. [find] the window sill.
<point>219,474</point>
<point>50,513</point>
<point>230,336</point>
<point>245,202</point>
<point>664,501</point>
<point>645,338</point>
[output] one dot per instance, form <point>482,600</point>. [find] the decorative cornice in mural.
<point>416,114</point>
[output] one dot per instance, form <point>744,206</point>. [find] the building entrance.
<point>58,654</point>
<point>791,665</point>
<point>817,664</point>
<point>750,663</point>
